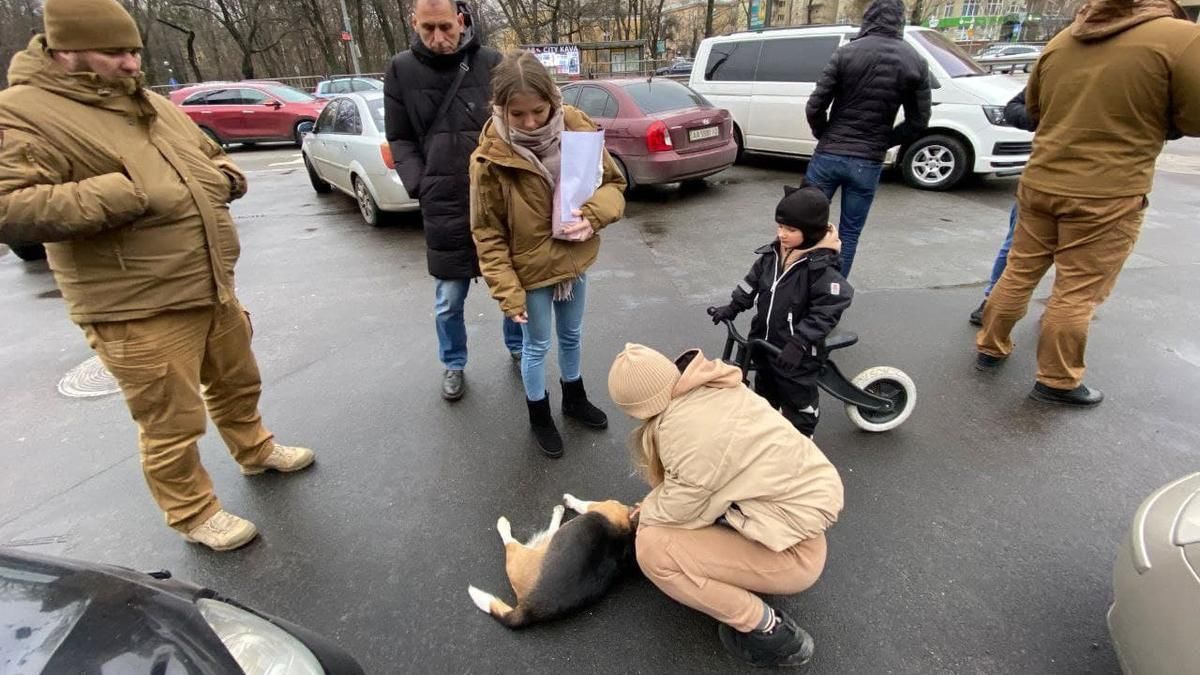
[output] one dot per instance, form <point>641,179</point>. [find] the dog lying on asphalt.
<point>566,567</point>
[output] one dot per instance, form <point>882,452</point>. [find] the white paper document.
<point>581,172</point>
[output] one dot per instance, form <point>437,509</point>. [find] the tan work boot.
<point>223,532</point>
<point>283,458</point>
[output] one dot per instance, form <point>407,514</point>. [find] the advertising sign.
<point>558,59</point>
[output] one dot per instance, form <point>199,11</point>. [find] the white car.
<point>339,86</point>
<point>1155,616</point>
<point>347,150</point>
<point>1000,58</point>
<point>764,78</point>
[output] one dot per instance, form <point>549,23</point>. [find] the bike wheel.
<point>890,383</point>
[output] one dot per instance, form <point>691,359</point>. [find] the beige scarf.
<point>541,147</point>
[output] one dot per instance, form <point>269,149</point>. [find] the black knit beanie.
<point>806,209</point>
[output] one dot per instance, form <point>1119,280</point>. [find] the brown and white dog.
<point>566,567</point>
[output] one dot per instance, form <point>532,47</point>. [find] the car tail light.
<point>385,151</point>
<point>658,138</point>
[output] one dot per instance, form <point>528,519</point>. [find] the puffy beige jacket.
<point>726,452</point>
<point>511,213</point>
<point>128,194</point>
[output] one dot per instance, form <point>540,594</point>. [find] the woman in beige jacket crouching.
<point>740,500</point>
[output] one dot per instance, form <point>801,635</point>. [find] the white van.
<point>764,79</point>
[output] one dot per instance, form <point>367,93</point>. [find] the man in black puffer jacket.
<point>866,81</point>
<point>436,100</point>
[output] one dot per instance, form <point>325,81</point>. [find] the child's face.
<point>790,237</point>
<point>527,112</point>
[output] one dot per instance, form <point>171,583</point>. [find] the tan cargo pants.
<point>1087,241</point>
<point>171,367</point>
<point>716,570</point>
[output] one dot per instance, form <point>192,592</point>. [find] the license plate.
<point>701,134</point>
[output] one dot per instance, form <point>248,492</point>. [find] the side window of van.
<point>733,61</point>
<point>800,59</point>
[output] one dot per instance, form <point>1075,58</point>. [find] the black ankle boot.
<point>544,431</point>
<point>577,406</point>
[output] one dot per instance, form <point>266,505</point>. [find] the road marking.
<point>298,160</point>
<point>1172,163</point>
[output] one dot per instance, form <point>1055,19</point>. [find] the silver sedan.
<point>347,150</point>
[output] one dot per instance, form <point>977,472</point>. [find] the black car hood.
<point>58,616</point>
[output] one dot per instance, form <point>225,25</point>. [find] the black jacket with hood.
<point>866,81</point>
<point>802,303</point>
<point>432,155</point>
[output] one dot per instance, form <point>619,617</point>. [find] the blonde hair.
<point>643,448</point>
<point>521,73</point>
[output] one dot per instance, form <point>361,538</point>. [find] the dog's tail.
<point>500,610</point>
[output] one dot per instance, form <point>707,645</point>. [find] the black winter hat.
<point>804,208</point>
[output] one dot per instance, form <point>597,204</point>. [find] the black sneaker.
<point>453,385</point>
<point>987,362</point>
<point>787,645</point>
<point>1079,397</point>
<point>977,316</point>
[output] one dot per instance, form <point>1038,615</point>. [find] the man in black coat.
<point>436,100</point>
<point>866,82</point>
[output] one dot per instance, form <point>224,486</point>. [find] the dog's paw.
<point>482,599</point>
<point>559,510</point>
<point>575,504</point>
<point>505,529</point>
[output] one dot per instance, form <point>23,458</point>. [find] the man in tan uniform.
<point>1105,95</point>
<point>131,200</point>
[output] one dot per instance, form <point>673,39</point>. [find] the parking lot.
<point>977,538</point>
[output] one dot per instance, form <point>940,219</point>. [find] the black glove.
<point>725,313</point>
<point>791,356</point>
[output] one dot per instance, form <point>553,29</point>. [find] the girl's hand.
<point>523,317</point>
<point>582,230</point>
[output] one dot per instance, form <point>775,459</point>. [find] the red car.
<point>249,112</point>
<point>658,130</point>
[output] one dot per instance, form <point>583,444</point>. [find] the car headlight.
<point>259,646</point>
<point>995,114</point>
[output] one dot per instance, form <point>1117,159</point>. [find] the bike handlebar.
<point>756,343</point>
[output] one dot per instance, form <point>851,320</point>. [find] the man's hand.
<point>523,317</point>
<point>791,356</point>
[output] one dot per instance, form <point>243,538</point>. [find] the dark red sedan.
<point>658,130</point>
<point>249,112</point>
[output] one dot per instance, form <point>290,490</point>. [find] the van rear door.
<point>788,69</point>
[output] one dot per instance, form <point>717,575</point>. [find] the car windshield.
<point>658,96</point>
<point>289,95</point>
<point>949,56</point>
<point>376,107</point>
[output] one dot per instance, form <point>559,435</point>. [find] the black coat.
<point>866,81</point>
<point>1015,114</point>
<point>802,303</point>
<point>432,155</point>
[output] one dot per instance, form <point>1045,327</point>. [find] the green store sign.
<point>968,21</point>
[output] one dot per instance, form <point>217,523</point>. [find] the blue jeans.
<point>858,178</point>
<point>449,297</point>
<point>1002,254</point>
<point>568,322</point>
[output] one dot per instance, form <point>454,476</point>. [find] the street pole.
<point>351,45</point>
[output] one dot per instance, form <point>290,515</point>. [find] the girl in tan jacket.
<point>740,499</point>
<point>539,279</point>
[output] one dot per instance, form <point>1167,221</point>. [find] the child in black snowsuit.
<point>801,296</point>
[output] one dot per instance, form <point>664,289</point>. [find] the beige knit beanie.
<point>640,381</point>
<point>81,25</point>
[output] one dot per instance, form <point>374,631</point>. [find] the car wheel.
<point>935,163</point>
<point>366,203</point>
<point>213,135</point>
<point>319,184</point>
<point>302,127</point>
<point>29,252</point>
<point>629,184</point>
<point>741,145</point>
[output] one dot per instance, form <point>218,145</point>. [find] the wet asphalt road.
<point>978,538</point>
